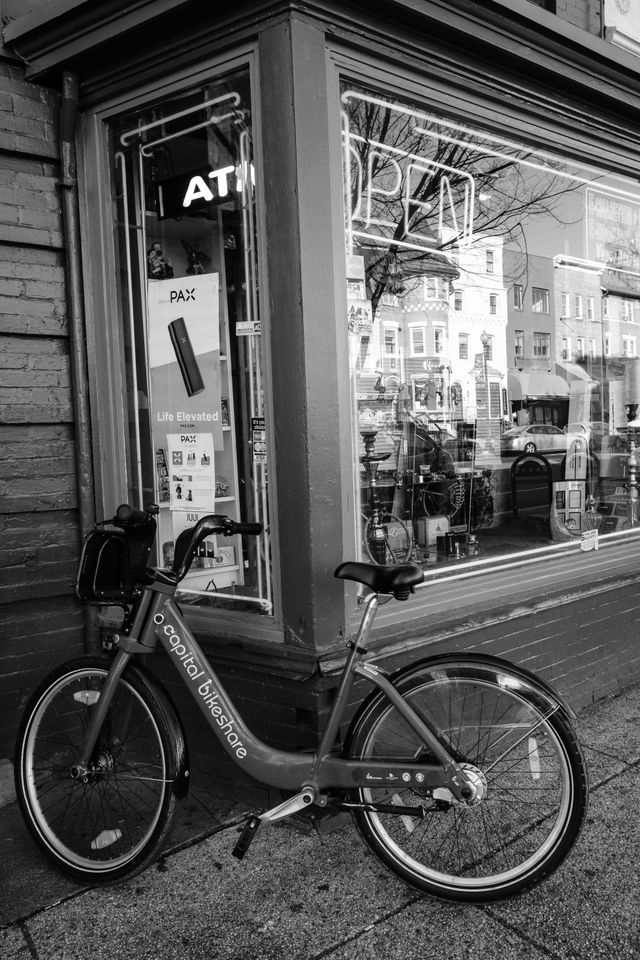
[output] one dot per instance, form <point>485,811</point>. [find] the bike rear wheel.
<point>110,823</point>
<point>521,752</point>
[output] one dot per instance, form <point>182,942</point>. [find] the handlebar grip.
<point>250,529</point>
<point>126,514</point>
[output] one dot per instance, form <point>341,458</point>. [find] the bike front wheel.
<point>521,752</point>
<point>110,822</point>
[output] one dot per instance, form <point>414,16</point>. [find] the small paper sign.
<point>589,540</point>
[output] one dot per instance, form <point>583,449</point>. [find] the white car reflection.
<point>539,438</point>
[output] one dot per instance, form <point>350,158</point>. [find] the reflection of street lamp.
<point>447,369</point>
<point>484,340</point>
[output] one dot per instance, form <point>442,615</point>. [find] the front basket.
<point>113,563</point>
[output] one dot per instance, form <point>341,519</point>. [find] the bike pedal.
<point>244,840</point>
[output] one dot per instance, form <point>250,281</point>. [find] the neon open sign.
<point>389,202</point>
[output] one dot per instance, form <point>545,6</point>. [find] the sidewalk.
<point>300,896</point>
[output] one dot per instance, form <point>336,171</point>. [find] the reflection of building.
<point>478,327</point>
<point>536,393</point>
<point>579,337</point>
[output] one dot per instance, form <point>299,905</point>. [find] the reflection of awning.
<point>530,384</point>
<point>575,371</point>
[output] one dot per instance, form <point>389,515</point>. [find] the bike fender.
<point>501,670</point>
<point>180,775</point>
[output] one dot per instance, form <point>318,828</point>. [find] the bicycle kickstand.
<point>287,808</point>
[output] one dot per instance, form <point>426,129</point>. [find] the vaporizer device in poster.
<point>184,355</point>
<point>187,362</point>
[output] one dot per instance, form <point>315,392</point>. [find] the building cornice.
<point>101,40</point>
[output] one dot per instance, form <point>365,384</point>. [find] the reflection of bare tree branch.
<point>508,191</point>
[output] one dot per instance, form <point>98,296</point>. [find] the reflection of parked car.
<point>542,437</point>
<point>593,430</point>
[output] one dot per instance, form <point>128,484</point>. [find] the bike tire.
<point>379,550</point>
<point>113,823</point>
<point>525,755</point>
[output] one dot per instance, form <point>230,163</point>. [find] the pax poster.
<point>184,357</point>
<point>191,472</point>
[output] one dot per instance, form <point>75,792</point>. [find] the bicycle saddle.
<point>398,578</point>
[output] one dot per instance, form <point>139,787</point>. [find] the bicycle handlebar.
<point>126,514</point>
<point>189,540</point>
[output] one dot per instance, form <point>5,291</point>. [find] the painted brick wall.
<point>41,622</point>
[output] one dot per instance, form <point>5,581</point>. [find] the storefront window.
<point>510,421</point>
<point>185,233</point>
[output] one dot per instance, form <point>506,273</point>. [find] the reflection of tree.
<point>511,186</point>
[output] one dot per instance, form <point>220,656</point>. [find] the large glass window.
<point>437,456</point>
<point>185,228</point>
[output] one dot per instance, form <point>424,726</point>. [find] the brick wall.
<point>41,622</point>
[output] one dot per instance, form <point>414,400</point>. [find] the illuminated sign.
<point>198,188</point>
<point>389,201</point>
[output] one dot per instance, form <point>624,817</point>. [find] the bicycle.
<point>462,772</point>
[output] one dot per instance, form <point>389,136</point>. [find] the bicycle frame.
<point>158,619</point>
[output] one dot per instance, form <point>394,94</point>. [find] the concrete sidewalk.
<point>299,896</point>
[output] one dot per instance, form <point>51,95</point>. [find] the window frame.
<point>480,111</point>
<point>545,300</point>
<point>109,406</point>
<point>518,296</point>
<point>541,344</point>
<point>422,327</point>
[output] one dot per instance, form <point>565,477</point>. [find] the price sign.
<point>258,440</point>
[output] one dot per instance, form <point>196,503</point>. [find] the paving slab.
<point>609,731</point>
<point>590,908</point>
